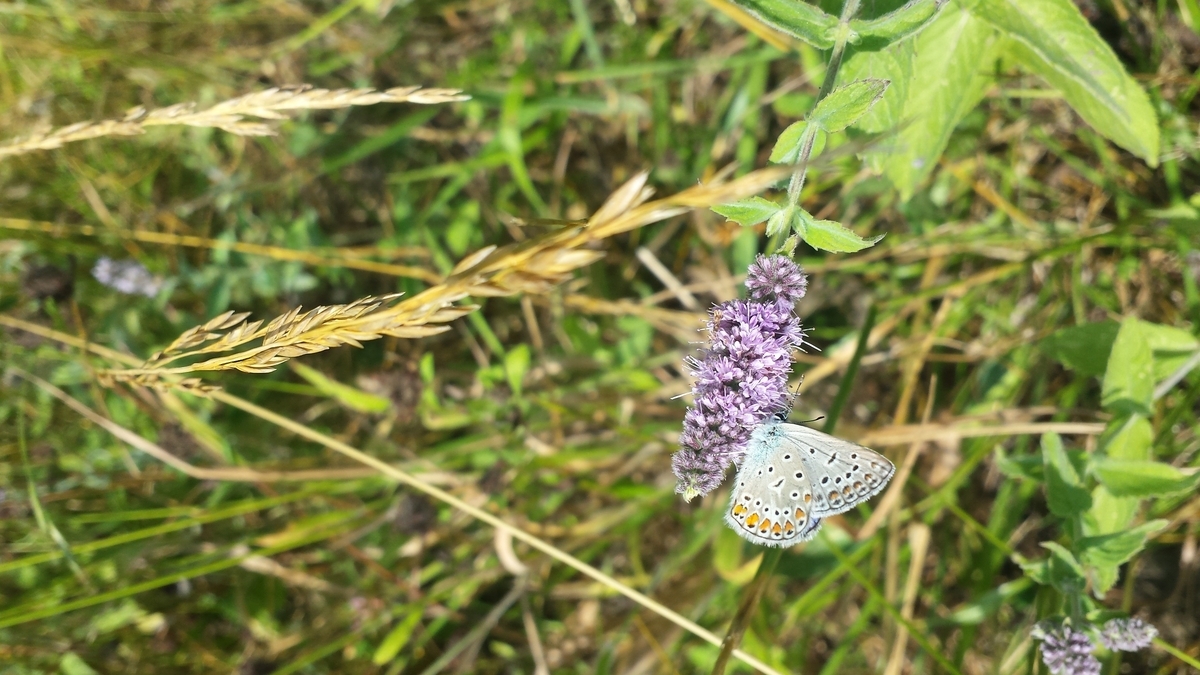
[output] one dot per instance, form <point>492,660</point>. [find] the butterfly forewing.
<point>842,474</point>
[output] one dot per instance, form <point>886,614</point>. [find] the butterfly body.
<point>793,476</point>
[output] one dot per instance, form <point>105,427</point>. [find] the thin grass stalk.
<point>405,479</point>
<point>772,556</point>
<point>232,115</point>
<point>327,258</point>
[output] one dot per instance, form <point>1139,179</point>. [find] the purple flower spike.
<point>1066,651</point>
<point>776,278</point>
<point>741,375</point>
<point>1127,635</point>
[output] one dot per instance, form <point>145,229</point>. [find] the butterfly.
<point>793,476</point>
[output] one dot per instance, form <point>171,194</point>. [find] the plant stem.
<point>771,557</point>
<point>831,71</point>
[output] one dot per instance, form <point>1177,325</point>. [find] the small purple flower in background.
<point>1127,635</point>
<point>126,276</point>
<point>741,376</point>
<point>1066,651</point>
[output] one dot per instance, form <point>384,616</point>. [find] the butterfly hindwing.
<point>842,474</point>
<point>770,503</point>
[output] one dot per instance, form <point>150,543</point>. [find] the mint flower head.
<point>741,376</point>
<point>1127,635</point>
<point>1067,651</point>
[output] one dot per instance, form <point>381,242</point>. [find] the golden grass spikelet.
<point>532,266</point>
<point>272,104</point>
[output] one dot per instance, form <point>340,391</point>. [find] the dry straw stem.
<point>334,257</point>
<point>416,482</point>
<point>232,115</point>
<point>532,266</point>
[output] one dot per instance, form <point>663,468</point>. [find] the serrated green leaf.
<point>1117,548</point>
<point>846,104</point>
<point>1143,478</point>
<point>796,18</point>
<point>1084,348</point>
<point>950,75</point>
<point>750,211</point>
<point>1053,40</point>
<point>1129,377</point>
<point>1062,569</point>
<point>355,399</point>
<point>1103,577</point>
<point>829,235</point>
<point>906,21</point>
<point>790,143</point>
<point>894,64</point>
<point>1109,513</point>
<point>1065,493</point>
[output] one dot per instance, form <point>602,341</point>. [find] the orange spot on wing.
<point>807,498</point>
<point>777,529</point>
<point>789,527</point>
<point>799,514</point>
<point>752,520</point>
<point>766,525</point>
<point>738,509</point>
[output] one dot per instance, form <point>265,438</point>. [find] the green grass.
<point>1033,223</point>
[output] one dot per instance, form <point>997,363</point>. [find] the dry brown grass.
<point>532,266</point>
<point>234,115</point>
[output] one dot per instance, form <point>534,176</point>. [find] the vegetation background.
<point>1011,268</point>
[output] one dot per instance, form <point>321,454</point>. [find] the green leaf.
<point>1083,348</point>
<point>1129,380</point>
<point>894,64</point>
<point>516,364</point>
<point>1061,569</point>
<point>829,235</point>
<point>1142,478</point>
<point>796,18</point>
<point>1172,347</point>
<point>1169,338</point>
<point>397,638</point>
<point>1109,513</point>
<point>750,211</point>
<point>355,399</point>
<point>71,664</point>
<point>912,18</point>
<point>1117,548</point>
<point>1052,39</point>
<point>1127,438</point>
<point>791,142</point>
<point>845,105</point>
<point>1103,577</point>
<point>1065,493</point>
<point>950,76</point>
<point>1028,467</point>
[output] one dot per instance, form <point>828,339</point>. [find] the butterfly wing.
<point>842,474</point>
<point>770,503</point>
